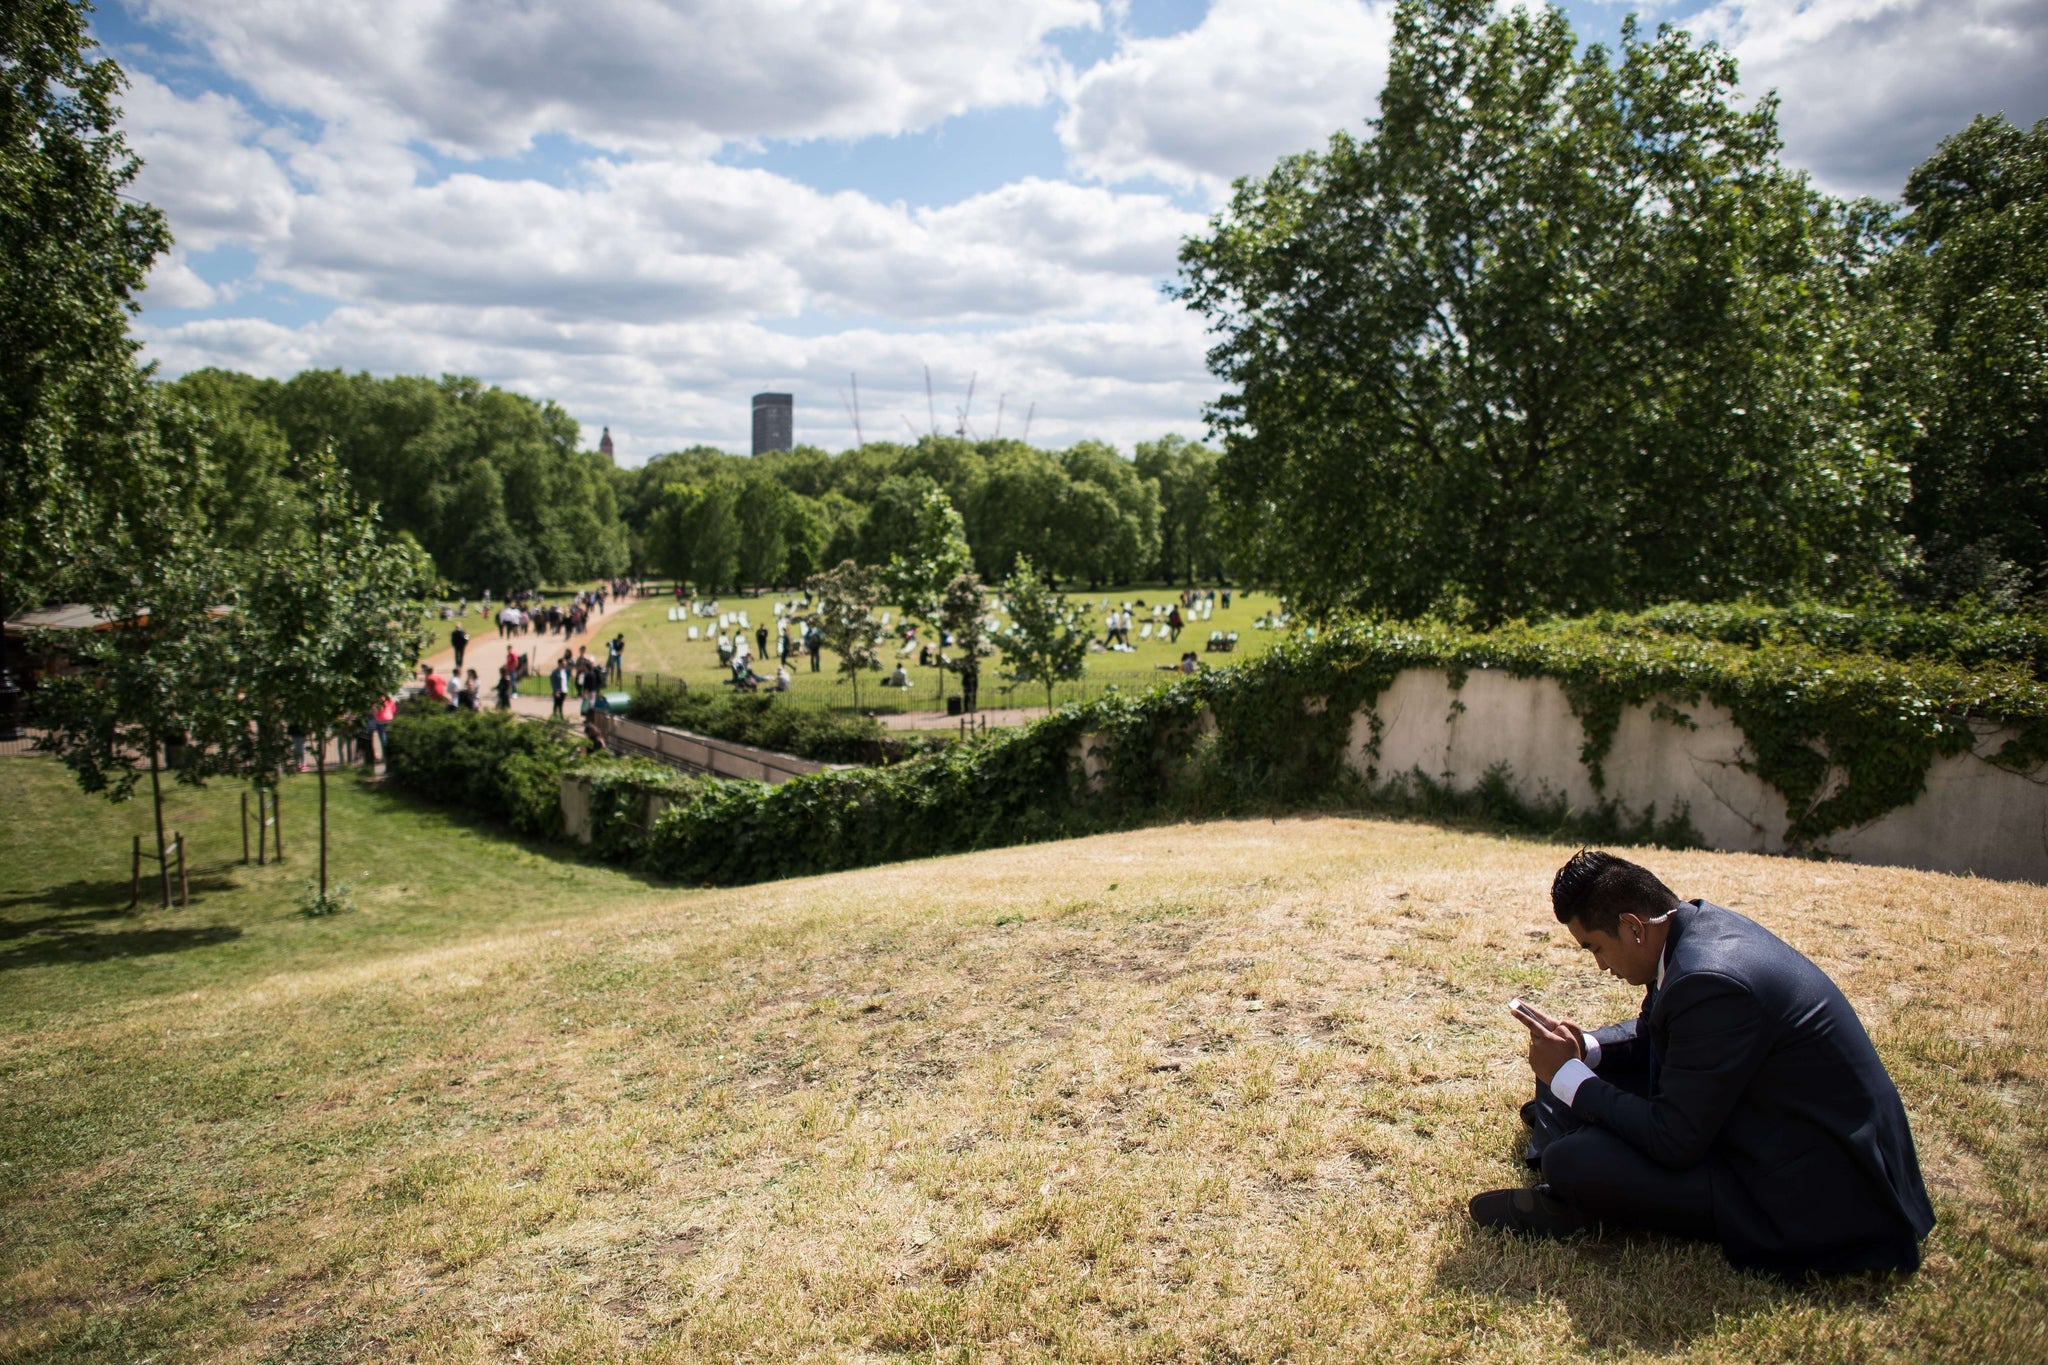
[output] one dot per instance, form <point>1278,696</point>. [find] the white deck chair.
<point>1145,631</point>
<point>694,635</point>
<point>745,622</point>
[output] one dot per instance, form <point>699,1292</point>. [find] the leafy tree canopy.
<point>1559,333</point>
<point>1975,275</point>
<point>76,442</point>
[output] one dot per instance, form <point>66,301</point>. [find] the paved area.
<point>994,717</point>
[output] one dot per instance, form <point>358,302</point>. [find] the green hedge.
<point>487,761</point>
<point>1971,639</point>
<point>766,721</point>
<point>1844,735</point>
<point>1282,726</point>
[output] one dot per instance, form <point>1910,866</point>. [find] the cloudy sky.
<point>648,210</point>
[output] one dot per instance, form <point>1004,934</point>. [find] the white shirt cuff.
<point>1592,1050</point>
<point>1568,1079</point>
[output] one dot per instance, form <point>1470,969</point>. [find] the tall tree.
<point>1560,333</point>
<point>963,614</point>
<point>77,454</point>
<point>1975,274</point>
<point>1047,639</point>
<point>843,605</point>
<point>1185,473</point>
<point>331,620</point>
<point>933,553</point>
<point>156,685</point>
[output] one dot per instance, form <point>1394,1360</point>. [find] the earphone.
<point>1658,920</point>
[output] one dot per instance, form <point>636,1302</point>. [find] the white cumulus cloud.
<point>484,76</point>
<point>1251,83</point>
<point>1870,87</point>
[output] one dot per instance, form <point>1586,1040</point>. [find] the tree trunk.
<point>320,766</point>
<point>156,795</point>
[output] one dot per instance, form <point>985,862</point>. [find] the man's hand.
<point>1551,1046</point>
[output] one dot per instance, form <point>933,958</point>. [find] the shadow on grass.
<point>1633,1289</point>
<point>64,944</point>
<point>101,900</point>
<point>388,800</point>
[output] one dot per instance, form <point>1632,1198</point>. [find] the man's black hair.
<point>1597,889</point>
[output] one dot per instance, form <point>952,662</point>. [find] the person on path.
<point>435,686</point>
<point>814,641</point>
<point>466,696</point>
<point>505,688</point>
<point>1173,624</point>
<point>558,684</point>
<point>460,639</point>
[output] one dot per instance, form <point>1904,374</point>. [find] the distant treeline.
<point>493,486</point>
<point>1085,514</point>
<point>490,484</point>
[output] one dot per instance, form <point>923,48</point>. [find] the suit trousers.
<point>1601,1175</point>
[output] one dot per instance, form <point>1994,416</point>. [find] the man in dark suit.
<point>1746,1105</point>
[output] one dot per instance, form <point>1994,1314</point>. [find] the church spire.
<point>604,444</point>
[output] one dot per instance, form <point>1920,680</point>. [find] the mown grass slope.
<point>1205,1091</point>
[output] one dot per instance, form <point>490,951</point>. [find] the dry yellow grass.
<point>1199,1092</point>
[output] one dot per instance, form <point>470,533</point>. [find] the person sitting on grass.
<point>1745,1105</point>
<point>783,682</point>
<point>900,678</point>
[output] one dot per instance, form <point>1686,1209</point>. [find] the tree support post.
<point>184,882</point>
<point>245,829</point>
<point>135,879</point>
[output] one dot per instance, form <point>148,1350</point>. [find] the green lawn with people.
<point>658,646</point>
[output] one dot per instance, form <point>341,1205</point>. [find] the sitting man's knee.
<point>1573,1161</point>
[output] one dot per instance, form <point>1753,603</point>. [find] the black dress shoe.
<point>1535,1211</point>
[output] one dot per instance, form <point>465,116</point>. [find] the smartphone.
<point>1528,1014</point>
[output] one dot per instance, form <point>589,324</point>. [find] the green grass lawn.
<point>658,646</point>
<point>419,877</point>
<point>1199,1092</point>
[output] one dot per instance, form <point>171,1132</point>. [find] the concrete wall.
<point>703,754</point>
<point>1973,817</point>
<point>679,749</point>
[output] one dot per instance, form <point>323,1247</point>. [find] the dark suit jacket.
<point>1763,1072</point>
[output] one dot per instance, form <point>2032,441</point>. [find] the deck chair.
<point>1230,642</point>
<point>885,620</point>
<point>745,622</point>
<point>1145,631</point>
<point>1215,644</point>
<point>693,634</point>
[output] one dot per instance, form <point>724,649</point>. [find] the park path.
<point>996,716</point>
<point>485,653</point>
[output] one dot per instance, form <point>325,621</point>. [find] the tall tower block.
<point>774,422</point>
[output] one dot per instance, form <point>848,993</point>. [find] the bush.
<point>620,791</point>
<point>766,722</point>
<point>1843,736</point>
<point>488,762</point>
